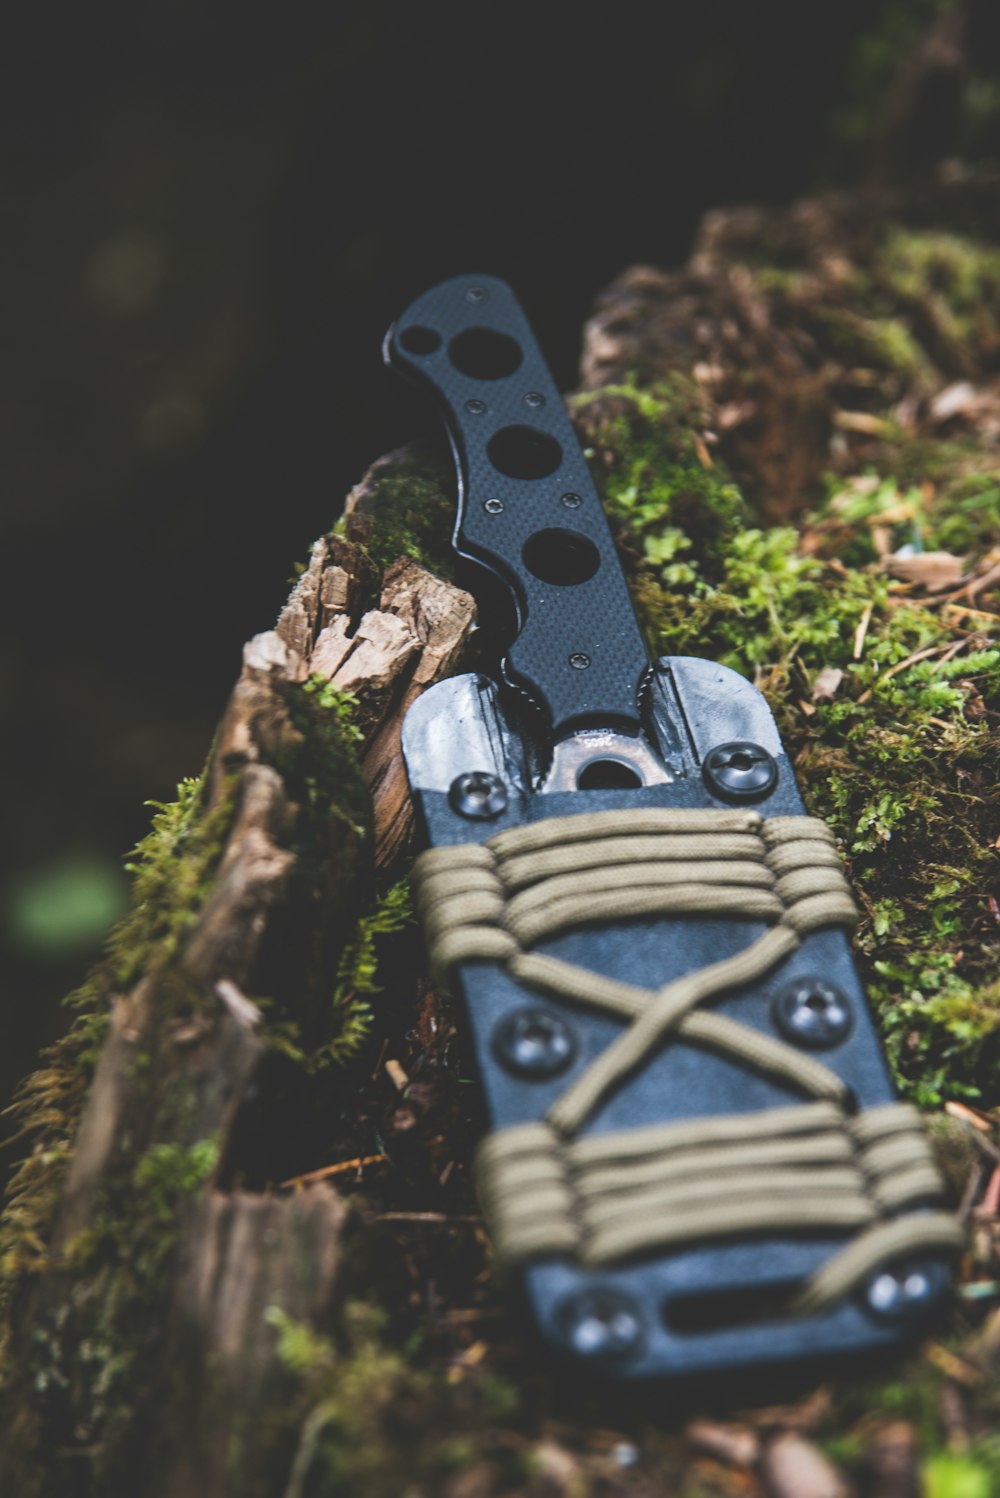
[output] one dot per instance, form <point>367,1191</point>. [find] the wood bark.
<point>240,1256</point>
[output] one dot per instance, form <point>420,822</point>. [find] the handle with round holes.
<point>527,507</point>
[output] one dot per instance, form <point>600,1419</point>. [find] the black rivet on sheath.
<point>740,771</point>
<point>477,795</point>
<point>906,1290</point>
<point>534,1042</point>
<point>812,1012</point>
<point>600,1324</point>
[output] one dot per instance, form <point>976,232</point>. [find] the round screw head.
<point>475,407</point>
<point>740,771</point>
<point>600,1324</point>
<point>812,1013</point>
<point>571,500</point>
<point>476,294</point>
<point>477,795</point>
<point>534,1042</point>
<point>906,1290</point>
<point>534,398</point>
<point>493,506</point>
<point>579,661</point>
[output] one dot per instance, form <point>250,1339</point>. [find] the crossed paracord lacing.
<point>603,1197</point>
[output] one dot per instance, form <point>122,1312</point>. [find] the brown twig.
<point>341,1168</point>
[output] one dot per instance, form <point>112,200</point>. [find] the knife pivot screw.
<point>477,795</point>
<point>600,1324</point>
<point>534,1042</point>
<point>475,407</point>
<point>571,501</point>
<point>812,1013</point>
<point>740,771</point>
<point>905,1289</point>
<point>579,661</point>
<point>476,294</point>
<point>534,399</point>
<point>493,506</point>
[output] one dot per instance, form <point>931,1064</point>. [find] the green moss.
<point>964,515</point>
<point>167,1172</point>
<point>962,272</point>
<point>358,973</point>
<point>412,501</point>
<point>872,341</point>
<point>902,762</point>
<point>952,1474</point>
<point>172,872</point>
<point>331,880</point>
<point>112,1330</point>
<point>675,507</point>
<point>321,765</point>
<point>358,980</point>
<point>347,1391</point>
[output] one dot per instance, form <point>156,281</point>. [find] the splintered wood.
<point>386,655</point>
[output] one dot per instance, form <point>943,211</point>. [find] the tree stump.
<point>243,1254</point>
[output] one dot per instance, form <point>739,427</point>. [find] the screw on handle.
<point>528,509</point>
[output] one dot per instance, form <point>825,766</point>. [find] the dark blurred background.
<point>210,214</point>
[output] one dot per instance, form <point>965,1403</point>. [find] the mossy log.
<point>243,1253</point>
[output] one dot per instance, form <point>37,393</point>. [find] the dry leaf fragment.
<point>958,399</point>
<point>795,1468</point>
<point>863,422</point>
<point>736,1445</point>
<point>987,579</point>
<point>397,1075</point>
<point>704,456</point>
<point>734,414</point>
<point>964,1113</point>
<point>862,630</point>
<point>952,1366</point>
<point>557,1465</point>
<point>933,570</point>
<point>826,684</point>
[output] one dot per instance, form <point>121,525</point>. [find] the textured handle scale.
<point>528,509</point>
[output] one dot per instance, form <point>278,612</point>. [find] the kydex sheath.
<point>696,1161</point>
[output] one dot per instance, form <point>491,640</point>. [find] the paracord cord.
<point>603,1197</point>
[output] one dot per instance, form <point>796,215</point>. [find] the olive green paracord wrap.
<point>600,1198</point>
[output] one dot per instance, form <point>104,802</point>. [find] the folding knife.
<point>695,1160</point>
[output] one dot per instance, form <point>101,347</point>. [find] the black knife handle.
<point>527,508</point>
